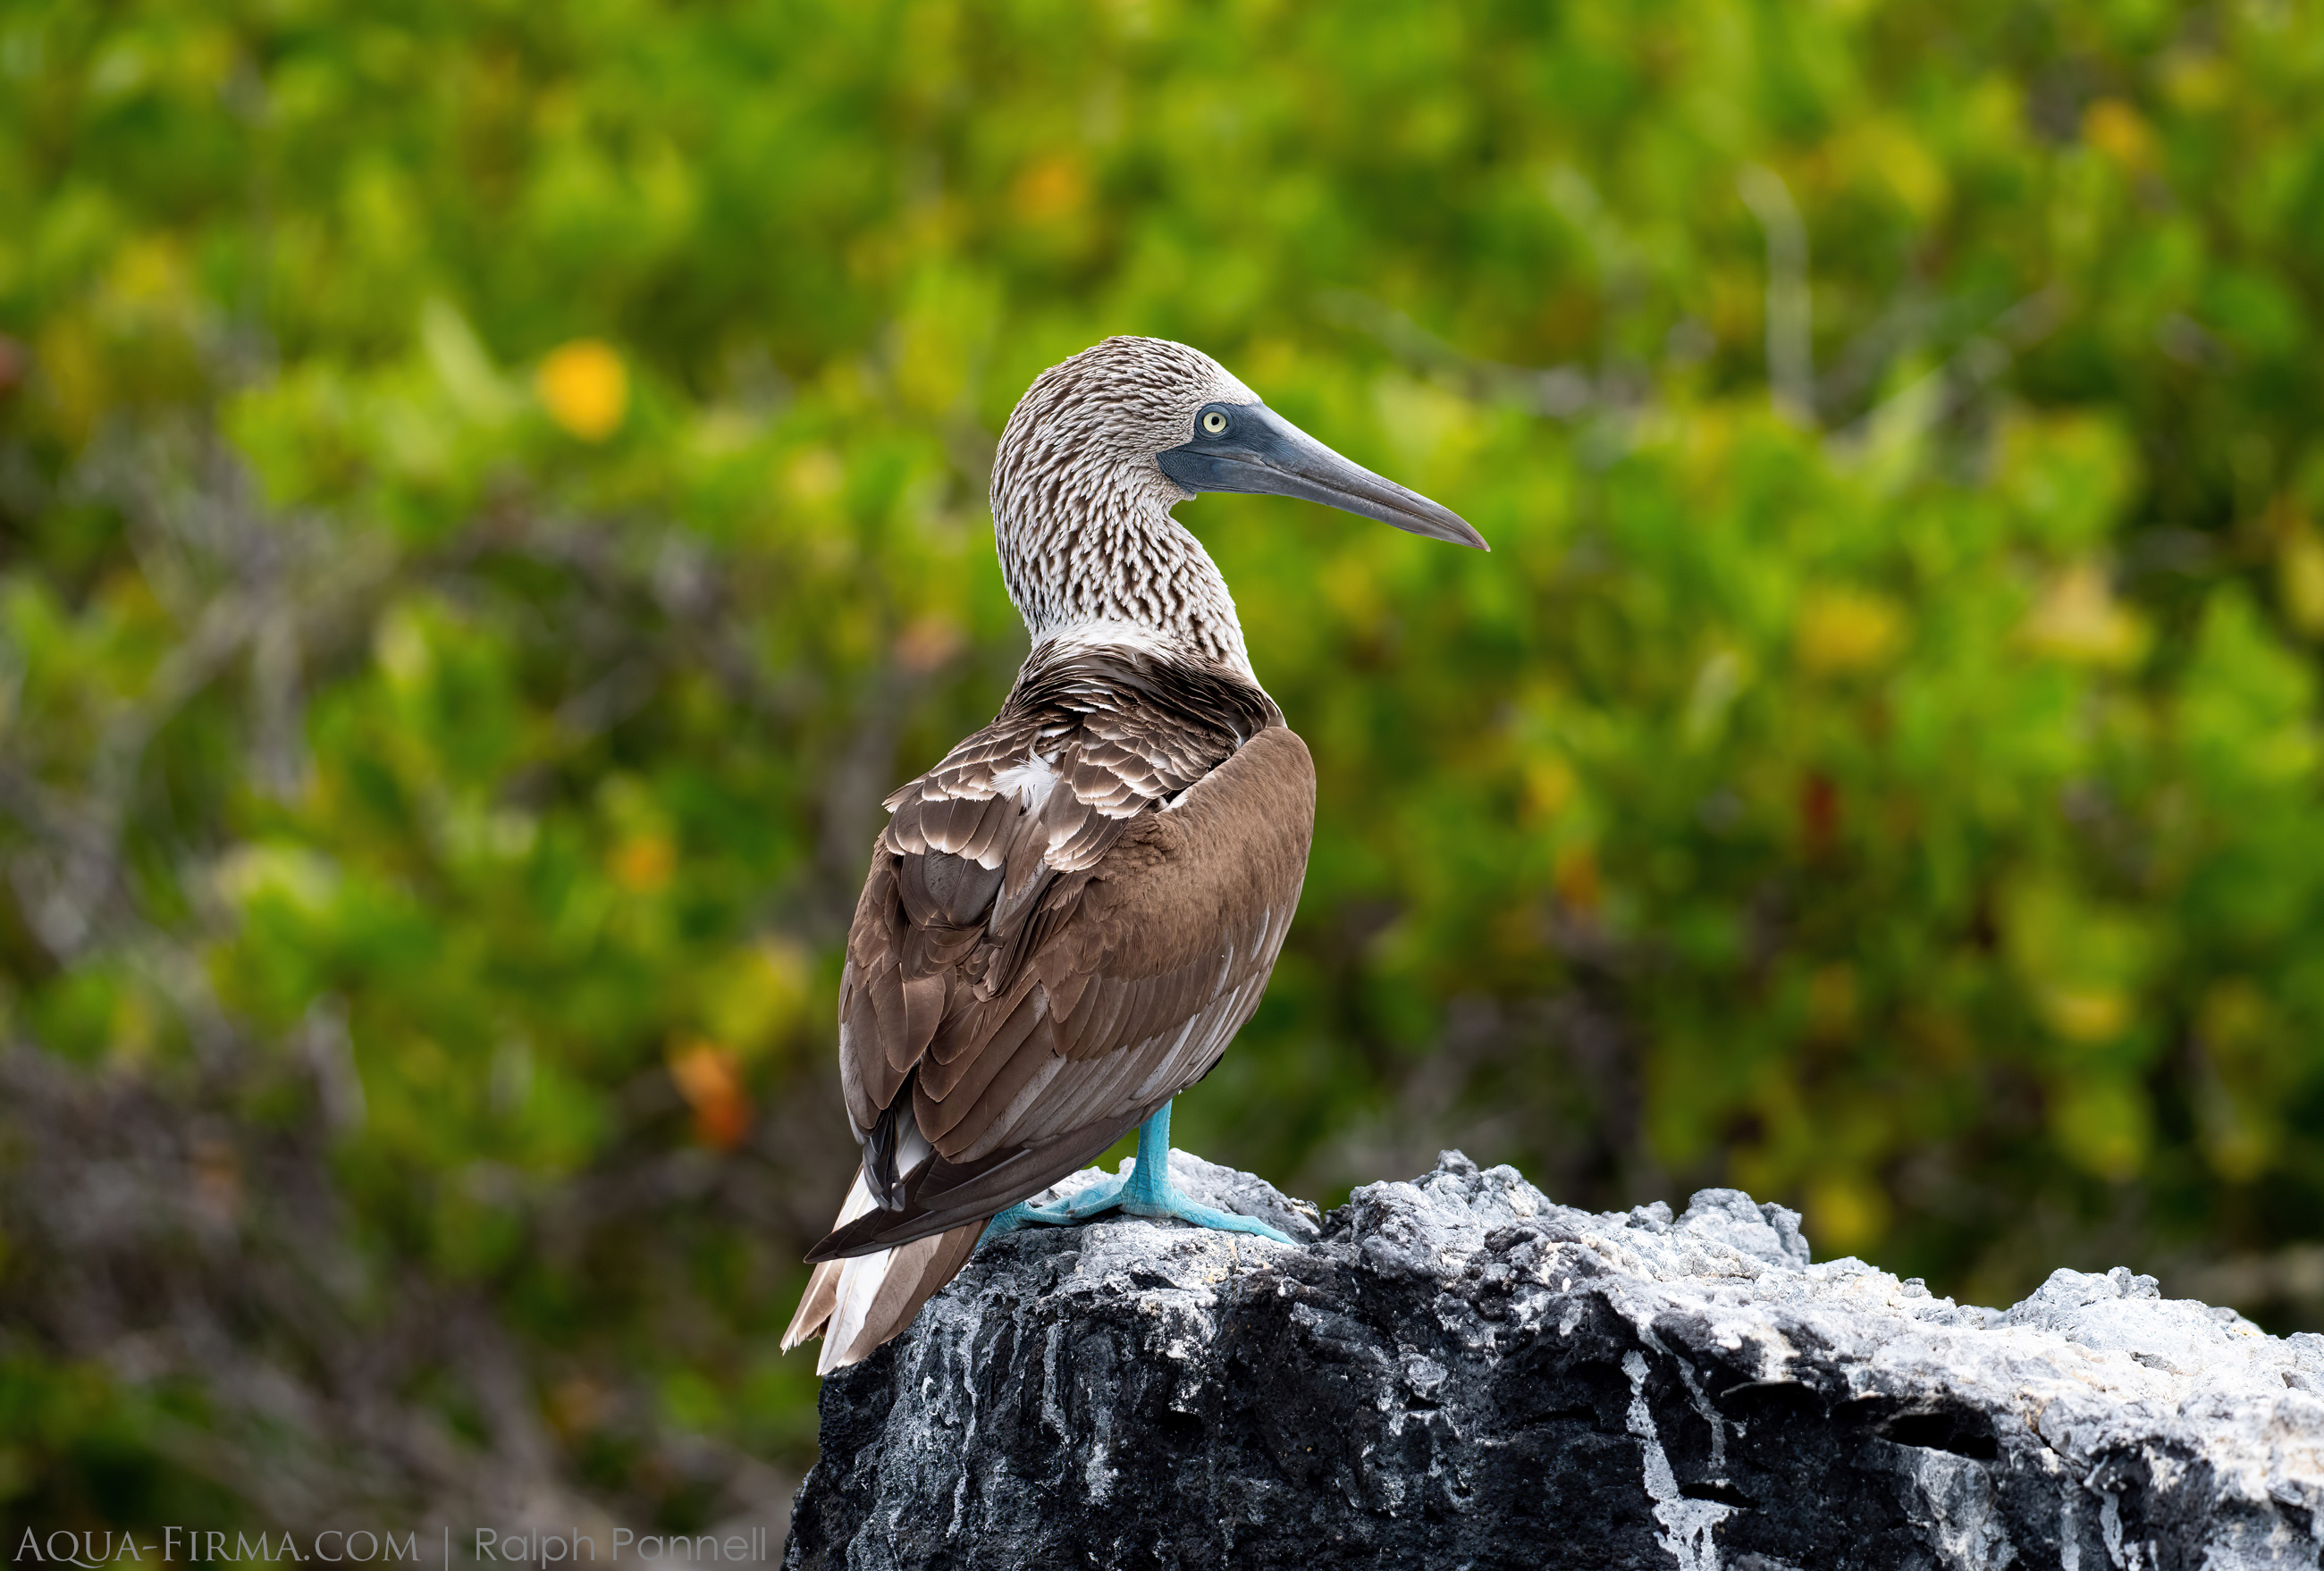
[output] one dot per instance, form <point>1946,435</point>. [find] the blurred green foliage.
<point>491,496</point>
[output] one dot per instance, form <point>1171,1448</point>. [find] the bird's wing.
<point>1052,944</point>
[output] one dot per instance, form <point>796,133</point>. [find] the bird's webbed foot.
<point>1174,1203</point>
<point>1142,1190</point>
<point>1094,1200</point>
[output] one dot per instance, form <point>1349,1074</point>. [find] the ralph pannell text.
<point>94,1548</point>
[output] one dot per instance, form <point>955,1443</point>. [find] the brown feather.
<point>814,1305</point>
<point>907,1277</point>
<point>903,835</point>
<point>950,1193</point>
<point>952,1087</point>
<point>923,1001</point>
<point>914,1273</point>
<point>1065,986</point>
<point>864,1096</point>
<point>999,817</point>
<point>1106,959</point>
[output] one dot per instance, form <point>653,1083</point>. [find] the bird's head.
<point>1151,415</point>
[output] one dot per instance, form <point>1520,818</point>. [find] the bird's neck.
<point>1105,565</point>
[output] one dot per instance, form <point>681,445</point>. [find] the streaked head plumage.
<point>1102,446</point>
<point>1128,399</point>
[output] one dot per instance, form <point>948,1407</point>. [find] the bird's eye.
<point>1213,422</point>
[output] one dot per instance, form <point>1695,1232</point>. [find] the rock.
<point>1456,1372</point>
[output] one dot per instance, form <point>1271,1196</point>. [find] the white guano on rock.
<point>1456,1371</point>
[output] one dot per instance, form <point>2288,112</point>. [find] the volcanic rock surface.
<point>1455,1372</point>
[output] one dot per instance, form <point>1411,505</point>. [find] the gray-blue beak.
<point>1249,447</point>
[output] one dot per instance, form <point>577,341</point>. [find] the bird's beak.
<point>1260,451</point>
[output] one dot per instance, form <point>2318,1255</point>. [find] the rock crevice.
<point>1458,1372</point>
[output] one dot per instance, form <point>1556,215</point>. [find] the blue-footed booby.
<point>1071,916</point>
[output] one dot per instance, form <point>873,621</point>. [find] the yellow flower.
<point>643,863</point>
<point>1054,188</point>
<point>2087,1015</point>
<point>1843,630</point>
<point>2078,622</point>
<point>2115,130</point>
<point>586,389</point>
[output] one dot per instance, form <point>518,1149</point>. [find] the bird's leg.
<point>1144,1191</point>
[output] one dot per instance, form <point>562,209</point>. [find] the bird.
<point>1069,917</point>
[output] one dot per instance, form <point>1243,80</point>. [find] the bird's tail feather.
<point>857,1304</point>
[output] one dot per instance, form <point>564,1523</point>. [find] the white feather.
<point>859,1277</point>
<point>1032,780</point>
<point>1110,633</point>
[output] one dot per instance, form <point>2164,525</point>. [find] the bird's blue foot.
<point>1144,1191</point>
